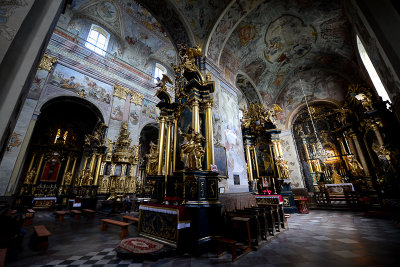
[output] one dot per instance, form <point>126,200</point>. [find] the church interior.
<point>199,132</point>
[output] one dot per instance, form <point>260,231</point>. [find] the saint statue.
<point>355,167</point>
<point>152,160</point>
<point>68,178</point>
<point>337,179</point>
<point>192,151</point>
<point>30,176</point>
<point>283,167</point>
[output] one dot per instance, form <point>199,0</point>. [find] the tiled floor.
<point>321,238</point>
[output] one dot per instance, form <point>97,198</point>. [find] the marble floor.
<point>321,238</point>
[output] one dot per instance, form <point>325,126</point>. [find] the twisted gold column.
<point>249,164</point>
<point>161,137</point>
<point>209,136</point>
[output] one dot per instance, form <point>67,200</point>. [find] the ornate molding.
<point>136,98</point>
<point>47,62</point>
<point>120,91</point>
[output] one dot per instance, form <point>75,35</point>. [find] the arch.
<point>246,85</point>
<point>291,118</point>
<point>149,132</point>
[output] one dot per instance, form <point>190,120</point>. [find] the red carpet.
<point>140,245</point>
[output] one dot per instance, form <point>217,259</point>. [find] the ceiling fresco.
<point>201,15</point>
<point>141,36</point>
<point>280,39</point>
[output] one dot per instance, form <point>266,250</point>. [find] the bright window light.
<point>372,72</point>
<point>158,72</point>
<point>97,40</point>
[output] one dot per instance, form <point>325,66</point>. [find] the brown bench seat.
<point>60,215</point>
<point>229,242</point>
<point>123,225</point>
<point>127,218</point>
<point>40,237</point>
<point>29,215</point>
<point>89,212</point>
<point>76,214</point>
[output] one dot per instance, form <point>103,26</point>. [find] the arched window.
<point>97,40</point>
<point>159,71</point>
<point>372,72</point>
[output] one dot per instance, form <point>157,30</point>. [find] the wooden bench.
<point>89,212</point>
<point>60,215</point>
<point>246,221</point>
<point>76,214</point>
<point>230,242</point>
<point>127,218</point>
<point>3,253</point>
<point>29,215</point>
<point>123,225</point>
<point>40,237</point>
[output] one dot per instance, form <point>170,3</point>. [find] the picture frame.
<point>221,160</point>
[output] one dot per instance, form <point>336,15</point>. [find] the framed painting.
<point>220,160</point>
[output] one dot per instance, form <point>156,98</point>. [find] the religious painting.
<point>149,108</point>
<point>134,114</point>
<point>51,170</point>
<point>37,84</point>
<point>118,109</point>
<point>288,38</point>
<point>236,179</point>
<point>107,11</point>
<point>220,160</point>
<point>77,82</point>
<point>246,33</point>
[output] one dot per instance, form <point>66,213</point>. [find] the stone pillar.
<point>209,136</point>
<point>161,136</point>
<point>360,153</point>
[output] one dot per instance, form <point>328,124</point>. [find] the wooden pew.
<point>253,222</point>
<point>123,225</point>
<point>40,237</point>
<point>3,253</point>
<point>60,215</point>
<point>90,213</point>
<point>127,218</point>
<point>262,217</point>
<point>76,214</point>
<point>230,242</point>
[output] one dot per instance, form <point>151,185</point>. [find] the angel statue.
<point>272,112</point>
<point>355,167</point>
<point>365,100</point>
<point>161,83</point>
<point>192,151</point>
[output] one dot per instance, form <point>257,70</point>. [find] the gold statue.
<point>283,167</point>
<point>161,83</point>
<point>152,160</point>
<point>337,179</point>
<point>84,177</point>
<point>110,146</point>
<point>30,176</point>
<point>365,100</point>
<point>68,178</point>
<point>192,151</point>
<point>355,167</point>
<point>272,113</point>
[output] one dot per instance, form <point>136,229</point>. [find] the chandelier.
<point>319,152</point>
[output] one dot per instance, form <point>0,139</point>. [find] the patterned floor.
<point>321,238</point>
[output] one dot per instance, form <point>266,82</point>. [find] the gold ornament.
<point>192,151</point>
<point>47,62</point>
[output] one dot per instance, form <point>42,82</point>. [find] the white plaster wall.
<point>11,154</point>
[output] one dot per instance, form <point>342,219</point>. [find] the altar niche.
<point>55,151</point>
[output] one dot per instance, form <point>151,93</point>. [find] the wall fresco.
<point>118,109</point>
<point>77,82</point>
<point>37,84</point>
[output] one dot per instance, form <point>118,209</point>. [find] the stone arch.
<point>246,85</point>
<point>149,132</point>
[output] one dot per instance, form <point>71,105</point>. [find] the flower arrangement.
<point>267,192</point>
<point>167,200</point>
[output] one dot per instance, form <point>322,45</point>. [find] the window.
<point>372,72</point>
<point>159,71</point>
<point>97,40</point>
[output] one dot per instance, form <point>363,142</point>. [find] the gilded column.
<point>175,138</point>
<point>318,163</point>
<point>161,136</point>
<point>360,153</point>
<point>195,115</point>
<point>32,161</point>
<point>96,178</point>
<point>249,164</point>
<point>255,161</point>
<point>73,166</point>
<point>307,155</point>
<point>92,163</point>
<point>209,136</point>
<point>66,169</point>
<point>38,169</point>
<point>343,149</point>
<point>378,134</point>
<point>168,148</point>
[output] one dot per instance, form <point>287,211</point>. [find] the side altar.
<point>180,166</point>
